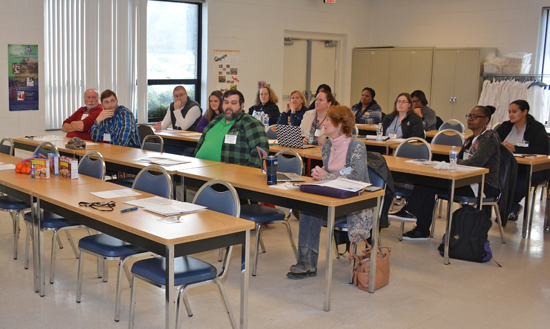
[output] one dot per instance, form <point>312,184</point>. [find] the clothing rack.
<point>517,77</point>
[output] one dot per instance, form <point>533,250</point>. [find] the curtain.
<point>92,44</point>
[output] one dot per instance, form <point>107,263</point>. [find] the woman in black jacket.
<point>523,134</point>
<point>403,122</point>
<point>265,104</point>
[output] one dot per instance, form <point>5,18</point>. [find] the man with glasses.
<point>184,113</point>
<point>420,105</point>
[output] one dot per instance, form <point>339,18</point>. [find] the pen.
<point>129,209</point>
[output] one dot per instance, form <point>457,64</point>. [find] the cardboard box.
<point>68,167</point>
<point>54,163</point>
<point>41,168</point>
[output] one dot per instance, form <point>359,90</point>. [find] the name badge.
<point>466,156</point>
<point>106,137</point>
<point>317,132</point>
<point>523,144</point>
<point>230,139</point>
<point>84,116</point>
<point>345,171</point>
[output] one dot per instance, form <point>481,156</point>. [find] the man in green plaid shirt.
<point>233,136</point>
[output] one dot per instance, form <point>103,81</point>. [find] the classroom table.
<point>370,129</point>
<point>199,231</point>
<point>251,183</point>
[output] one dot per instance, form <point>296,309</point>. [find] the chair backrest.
<point>154,179</point>
<point>45,148</point>
<point>7,149</point>
<point>438,122</point>
<point>271,132</point>
<point>144,130</point>
<point>355,131</point>
<point>448,137</point>
<point>292,164</point>
<point>452,124</point>
<point>93,165</point>
<point>376,180</point>
<point>420,150</point>
<point>225,201</point>
<point>153,143</point>
<point>496,125</point>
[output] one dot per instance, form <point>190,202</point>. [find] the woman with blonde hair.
<point>294,110</point>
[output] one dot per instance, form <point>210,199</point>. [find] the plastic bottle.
<point>452,158</point>
<point>379,132</point>
<point>266,121</point>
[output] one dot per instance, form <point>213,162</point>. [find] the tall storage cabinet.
<point>371,68</point>
<point>390,71</point>
<point>456,81</point>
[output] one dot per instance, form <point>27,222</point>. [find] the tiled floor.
<point>423,293</point>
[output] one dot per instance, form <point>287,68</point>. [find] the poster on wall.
<point>23,77</point>
<point>227,69</point>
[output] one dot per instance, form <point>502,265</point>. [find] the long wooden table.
<point>251,183</point>
<point>198,231</point>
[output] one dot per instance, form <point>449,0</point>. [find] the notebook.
<point>281,176</point>
<point>291,136</point>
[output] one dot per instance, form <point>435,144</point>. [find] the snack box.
<point>68,167</point>
<point>41,168</point>
<point>54,163</point>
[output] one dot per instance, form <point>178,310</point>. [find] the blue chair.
<point>146,144</point>
<point>152,179</point>
<point>92,165</point>
<point>45,148</point>
<point>419,150</point>
<point>453,124</point>
<point>12,205</point>
<point>262,215</point>
<point>449,137</point>
<point>189,271</point>
<point>144,130</point>
<point>271,132</point>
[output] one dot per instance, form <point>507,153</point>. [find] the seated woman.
<point>265,104</point>
<point>321,87</point>
<point>403,122</point>
<point>214,108</point>
<point>294,110</point>
<point>420,104</point>
<point>523,134</point>
<point>367,110</point>
<point>479,150</point>
<point>312,127</point>
<point>343,156</point>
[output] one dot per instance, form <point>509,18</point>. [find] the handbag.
<point>361,272</point>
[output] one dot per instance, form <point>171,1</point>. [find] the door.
<point>295,68</point>
<point>443,83</point>
<point>371,68</point>
<point>466,82</point>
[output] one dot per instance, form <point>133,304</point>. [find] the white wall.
<point>509,25</point>
<point>21,22</point>
<point>257,28</point>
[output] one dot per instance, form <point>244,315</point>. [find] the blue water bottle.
<point>271,169</point>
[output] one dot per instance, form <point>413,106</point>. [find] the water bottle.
<point>452,158</point>
<point>379,132</point>
<point>266,121</point>
<point>271,169</point>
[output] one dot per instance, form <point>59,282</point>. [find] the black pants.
<point>422,202</point>
<point>521,182</point>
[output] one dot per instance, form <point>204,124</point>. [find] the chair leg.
<point>499,221</point>
<point>27,243</point>
<point>226,303</point>
<point>72,243</point>
<point>79,278</point>
<point>531,205</point>
<point>401,230</point>
<point>132,303</point>
<point>59,242</point>
<point>15,219</point>
<point>121,268</point>
<point>181,295</point>
<point>99,267</point>
<point>262,245</point>
<point>291,239</point>
<point>128,275</point>
<point>105,271</point>
<point>52,258</point>
<point>256,247</point>
<point>437,205</point>
<point>220,255</point>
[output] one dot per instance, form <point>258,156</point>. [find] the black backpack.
<point>469,231</point>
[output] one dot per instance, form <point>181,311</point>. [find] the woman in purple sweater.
<point>214,108</point>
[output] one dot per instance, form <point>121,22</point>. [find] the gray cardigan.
<point>486,156</point>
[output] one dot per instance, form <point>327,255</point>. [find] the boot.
<point>306,262</point>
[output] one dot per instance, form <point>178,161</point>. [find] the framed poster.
<point>226,69</point>
<point>23,77</point>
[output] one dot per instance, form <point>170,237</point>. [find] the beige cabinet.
<point>456,81</point>
<point>370,68</point>
<point>390,71</point>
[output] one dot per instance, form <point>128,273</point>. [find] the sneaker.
<point>514,215</point>
<point>402,216</point>
<point>416,234</point>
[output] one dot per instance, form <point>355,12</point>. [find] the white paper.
<point>374,137</point>
<point>467,168</point>
<point>7,166</point>
<point>397,140</point>
<point>50,138</point>
<point>286,186</point>
<point>115,193</point>
<point>165,161</point>
<point>343,184</point>
<point>519,155</point>
<point>150,202</point>
<point>175,208</point>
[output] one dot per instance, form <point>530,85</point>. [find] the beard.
<point>232,115</point>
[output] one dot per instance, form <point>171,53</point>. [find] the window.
<point>173,53</point>
<point>543,58</point>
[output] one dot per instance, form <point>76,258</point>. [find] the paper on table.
<point>165,206</point>
<point>115,193</point>
<point>343,184</point>
<point>286,186</point>
<point>193,134</point>
<point>150,202</point>
<point>467,168</point>
<point>423,162</point>
<point>165,161</point>
<point>7,166</point>
<point>519,155</point>
<point>397,140</point>
<point>374,137</point>
<point>50,138</point>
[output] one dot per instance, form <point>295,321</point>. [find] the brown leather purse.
<point>361,272</point>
